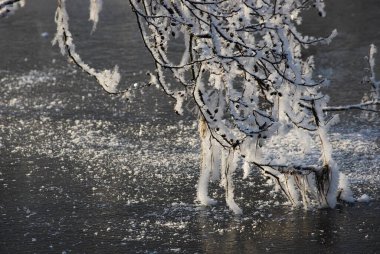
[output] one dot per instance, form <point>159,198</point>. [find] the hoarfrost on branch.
<point>242,66</point>
<point>8,7</point>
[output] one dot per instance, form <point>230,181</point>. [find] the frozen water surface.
<point>85,172</point>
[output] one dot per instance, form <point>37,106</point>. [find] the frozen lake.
<point>85,172</point>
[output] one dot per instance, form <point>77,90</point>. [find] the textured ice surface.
<point>81,170</point>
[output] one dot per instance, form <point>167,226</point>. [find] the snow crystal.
<point>364,198</point>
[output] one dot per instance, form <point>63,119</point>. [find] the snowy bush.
<point>242,66</point>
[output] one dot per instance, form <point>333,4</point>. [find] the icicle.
<point>292,190</point>
<point>204,178</point>
<point>303,186</point>
<point>95,8</point>
<point>216,151</point>
<point>229,164</point>
<point>332,193</point>
<point>372,52</point>
<point>344,190</point>
<point>375,83</point>
<point>246,169</point>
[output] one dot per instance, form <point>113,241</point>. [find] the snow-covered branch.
<point>371,100</point>
<point>108,79</point>
<point>366,106</point>
<point>8,7</point>
<point>242,67</point>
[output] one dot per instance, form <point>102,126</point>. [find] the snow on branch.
<point>108,79</point>
<point>242,67</point>
<point>8,7</point>
<point>370,101</point>
<point>366,106</point>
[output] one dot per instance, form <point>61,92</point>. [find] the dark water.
<point>85,172</point>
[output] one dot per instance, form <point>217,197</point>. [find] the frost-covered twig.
<point>371,100</point>
<point>8,7</point>
<point>366,106</point>
<point>108,79</point>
